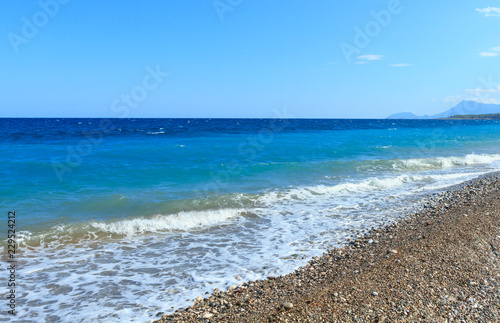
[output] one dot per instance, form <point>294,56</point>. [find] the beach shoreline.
<point>440,264</point>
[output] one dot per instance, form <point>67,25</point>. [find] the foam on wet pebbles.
<point>439,268</point>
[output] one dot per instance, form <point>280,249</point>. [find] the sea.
<point>120,220</point>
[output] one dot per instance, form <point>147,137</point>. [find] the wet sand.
<point>441,264</point>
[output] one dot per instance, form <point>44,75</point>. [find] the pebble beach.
<point>439,264</point>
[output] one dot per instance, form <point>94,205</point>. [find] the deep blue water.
<point>209,199</point>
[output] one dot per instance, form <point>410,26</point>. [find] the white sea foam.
<point>158,223</point>
<point>445,162</point>
<point>360,189</point>
<point>347,195</point>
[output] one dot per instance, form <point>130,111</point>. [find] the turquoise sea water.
<point>119,219</point>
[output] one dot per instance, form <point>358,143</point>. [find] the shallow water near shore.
<point>155,212</point>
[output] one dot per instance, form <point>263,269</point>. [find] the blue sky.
<point>242,58</point>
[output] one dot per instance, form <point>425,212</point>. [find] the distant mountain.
<point>464,107</point>
<point>404,115</point>
<point>469,107</point>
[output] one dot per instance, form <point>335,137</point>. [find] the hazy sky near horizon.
<point>242,58</point>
